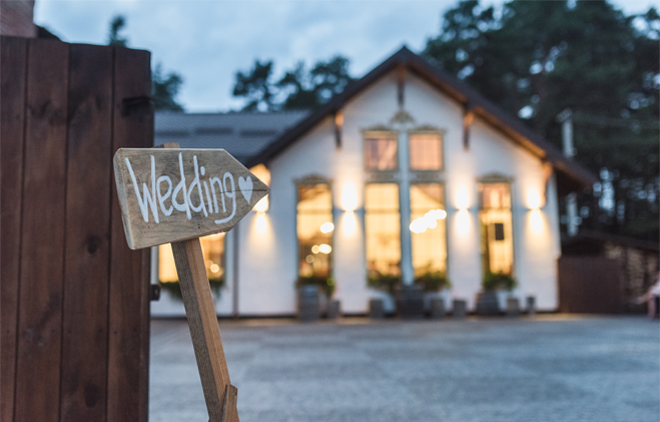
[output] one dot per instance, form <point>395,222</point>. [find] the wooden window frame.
<point>377,133</point>
<point>491,179</point>
<point>313,180</point>
<point>444,204</point>
<point>427,130</point>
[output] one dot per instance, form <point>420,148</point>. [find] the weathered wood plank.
<point>203,324</point>
<point>171,195</point>
<point>13,59</point>
<point>85,308</point>
<point>128,348</point>
<point>41,268</point>
<point>230,413</point>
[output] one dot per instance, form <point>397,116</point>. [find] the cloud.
<point>208,41</point>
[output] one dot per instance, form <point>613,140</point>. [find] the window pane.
<point>496,228</point>
<point>382,226</point>
<point>495,196</point>
<point>380,153</point>
<point>315,229</point>
<point>427,214</point>
<point>425,152</point>
<point>213,250</point>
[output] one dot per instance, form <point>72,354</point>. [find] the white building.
<point>406,172</point>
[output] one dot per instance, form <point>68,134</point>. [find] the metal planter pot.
<point>410,301</point>
<point>487,303</point>
<point>308,303</point>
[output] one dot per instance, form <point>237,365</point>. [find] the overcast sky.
<point>207,41</point>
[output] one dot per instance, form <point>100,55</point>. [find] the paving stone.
<point>544,369</point>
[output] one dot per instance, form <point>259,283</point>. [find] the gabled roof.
<point>243,135</point>
<point>571,174</point>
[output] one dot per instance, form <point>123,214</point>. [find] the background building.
<point>406,172</point>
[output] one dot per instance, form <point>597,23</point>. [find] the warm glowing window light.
<point>213,249</point>
<point>314,228</point>
<point>427,221</point>
<point>327,227</point>
<point>496,228</point>
<point>428,237</point>
<point>325,248</point>
<point>382,229</point>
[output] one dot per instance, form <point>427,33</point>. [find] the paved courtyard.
<point>550,368</point>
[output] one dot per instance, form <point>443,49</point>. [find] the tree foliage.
<point>116,25</point>
<point>535,59</point>
<point>297,89</point>
<point>164,87</point>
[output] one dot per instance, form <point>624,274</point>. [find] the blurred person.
<point>652,297</point>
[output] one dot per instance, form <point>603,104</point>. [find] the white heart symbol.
<point>245,184</point>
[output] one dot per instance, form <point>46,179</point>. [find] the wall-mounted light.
<point>463,222</point>
<point>536,221</point>
<point>261,222</point>
<point>533,199</point>
<point>349,197</point>
<point>262,205</point>
<point>462,199</point>
<point>263,174</point>
<point>349,223</point>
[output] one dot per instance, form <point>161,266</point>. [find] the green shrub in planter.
<point>493,281</point>
<point>325,283</point>
<point>174,288</point>
<point>383,282</point>
<point>433,282</point>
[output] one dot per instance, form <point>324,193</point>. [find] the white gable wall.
<point>268,243</point>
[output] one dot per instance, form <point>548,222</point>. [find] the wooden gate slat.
<point>589,284</point>
<point>128,353</point>
<point>87,254</point>
<point>13,53</point>
<point>41,269</point>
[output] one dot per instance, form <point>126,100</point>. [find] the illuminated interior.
<point>382,227</point>
<point>213,250</point>
<point>428,217</point>
<point>425,151</point>
<point>380,151</point>
<point>496,228</point>
<point>315,228</point>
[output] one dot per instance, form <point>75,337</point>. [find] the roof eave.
<point>579,177</point>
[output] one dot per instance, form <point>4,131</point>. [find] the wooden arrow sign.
<point>168,195</point>
<point>172,195</point>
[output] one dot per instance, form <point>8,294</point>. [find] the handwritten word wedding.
<point>206,194</point>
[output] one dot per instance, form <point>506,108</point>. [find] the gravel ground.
<point>549,368</point>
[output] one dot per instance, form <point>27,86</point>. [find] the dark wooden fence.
<point>75,301</point>
<point>590,284</point>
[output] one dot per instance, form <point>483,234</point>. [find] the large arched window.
<point>428,230</point>
<point>314,227</point>
<point>382,229</point>
<point>496,228</point>
<point>213,249</point>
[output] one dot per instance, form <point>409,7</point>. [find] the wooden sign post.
<point>172,195</point>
